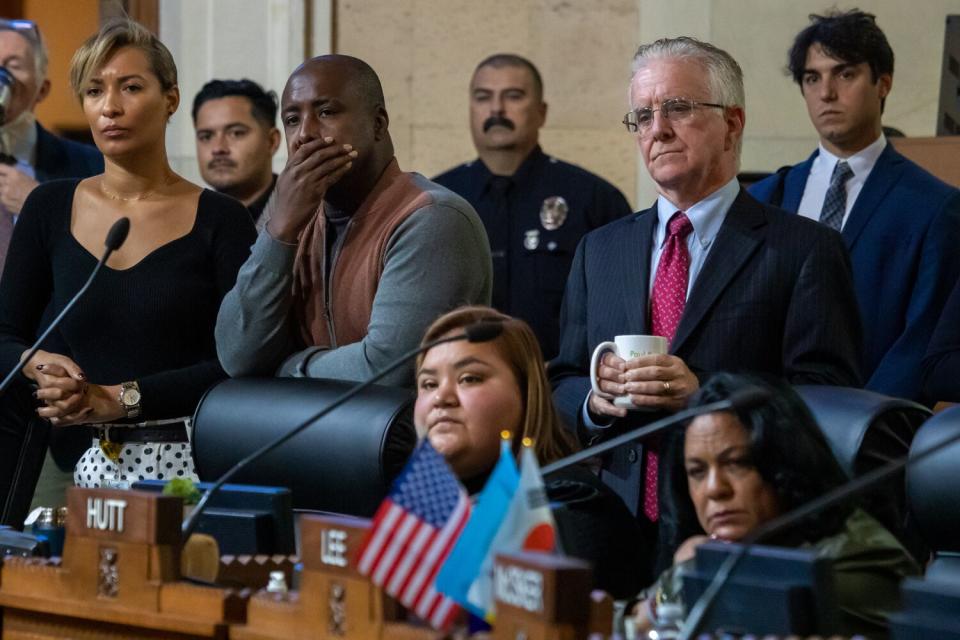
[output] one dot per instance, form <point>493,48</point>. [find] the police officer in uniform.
<point>535,208</point>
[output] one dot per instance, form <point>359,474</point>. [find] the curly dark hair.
<point>852,36</point>
<point>787,449</point>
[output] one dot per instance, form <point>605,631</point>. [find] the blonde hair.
<point>113,35</point>
<point>518,347</point>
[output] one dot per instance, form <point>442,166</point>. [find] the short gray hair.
<point>724,76</point>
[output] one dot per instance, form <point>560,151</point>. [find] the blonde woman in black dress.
<point>141,343</point>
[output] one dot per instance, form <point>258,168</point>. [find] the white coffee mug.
<point>626,347</point>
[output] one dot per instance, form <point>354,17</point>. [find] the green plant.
<point>182,488</point>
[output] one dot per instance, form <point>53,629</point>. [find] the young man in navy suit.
<point>900,224</point>
<point>731,283</point>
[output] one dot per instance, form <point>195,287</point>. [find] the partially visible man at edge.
<point>534,207</point>
<point>33,154</point>
<point>356,258</point>
<point>237,137</point>
<point>900,224</point>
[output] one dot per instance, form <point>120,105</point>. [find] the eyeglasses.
<point>674,110</point>
<point>27,27</point>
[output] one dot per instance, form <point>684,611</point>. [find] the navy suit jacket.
<point>61,158</point>
<point>941,367</point>
<point>903,235</point>
<point>775,296</point>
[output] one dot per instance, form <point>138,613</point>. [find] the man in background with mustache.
<point>237,137</point>
<point>535,208</point>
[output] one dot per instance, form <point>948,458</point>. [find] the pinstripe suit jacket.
<point>774,296</point>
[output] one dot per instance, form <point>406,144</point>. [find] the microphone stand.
<point>744,399</point>
<point>781,523</point>
<point>115,238</point>
<point>479,332</point>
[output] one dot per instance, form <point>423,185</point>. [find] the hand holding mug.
<point>659,382</point>
<point>609,366</point>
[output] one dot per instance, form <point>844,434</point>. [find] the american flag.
<point>413,531</point>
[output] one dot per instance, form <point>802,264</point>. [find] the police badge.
<point>531,239</point>
<point>553,212</point>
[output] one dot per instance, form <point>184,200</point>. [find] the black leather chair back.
<point>344,463</point>
<point>933,491</point>
<point>866,430</point>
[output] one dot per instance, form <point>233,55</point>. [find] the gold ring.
<point>666,387</point>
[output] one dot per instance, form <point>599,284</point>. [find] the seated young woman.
<point>467,393</point>
<point>727,473</point>
<point>140,346</point>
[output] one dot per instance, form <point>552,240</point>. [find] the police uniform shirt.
<point>534,220</point>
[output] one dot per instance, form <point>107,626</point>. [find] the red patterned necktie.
<point>667,302</point>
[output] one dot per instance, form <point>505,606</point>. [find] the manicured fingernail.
<point>328,139</point>
<point>348,147</point>
<point>40,367</point>
<point>82,375</point>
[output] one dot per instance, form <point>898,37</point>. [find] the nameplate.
<point>542,586</point>
<point>127,516</point>
<point>330,543</point>
<point>518,587</point>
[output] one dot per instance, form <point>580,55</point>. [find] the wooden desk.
<point>119,577</point>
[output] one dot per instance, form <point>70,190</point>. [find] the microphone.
<point>115,238</point>
<point>746,398</point>
<point>478,332</point>
<point>844,492</point>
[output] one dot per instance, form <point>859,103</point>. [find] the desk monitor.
<point>244,519</point>
<point>930,611</point>
<point>773,590</point>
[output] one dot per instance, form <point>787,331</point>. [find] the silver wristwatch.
<point>130,398</point>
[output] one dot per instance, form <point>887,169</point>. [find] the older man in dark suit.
<point>30,153</point>
<point>731,283</point>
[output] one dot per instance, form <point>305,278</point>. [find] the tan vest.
<point>357,269</point>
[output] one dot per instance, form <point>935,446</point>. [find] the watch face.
<point>130,397</point>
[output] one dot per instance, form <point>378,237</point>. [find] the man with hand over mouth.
<point>356,258</point>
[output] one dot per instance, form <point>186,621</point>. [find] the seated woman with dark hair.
<point>727,473</point>
<point>467,393</point>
